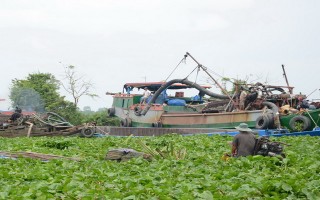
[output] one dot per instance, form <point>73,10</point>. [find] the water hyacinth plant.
<point>189,168</point>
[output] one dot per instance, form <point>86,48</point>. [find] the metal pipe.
<point>285,76</point>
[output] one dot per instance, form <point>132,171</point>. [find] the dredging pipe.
<point>183,81</point>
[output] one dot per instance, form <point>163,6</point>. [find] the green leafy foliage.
<point>298,126</point>
<point>202,174</point>
<point>101,118</point>
<point>60,144</point>
<point>68,111</point>
<point>38,92</point>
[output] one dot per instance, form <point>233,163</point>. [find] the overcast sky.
<point>111,42</point>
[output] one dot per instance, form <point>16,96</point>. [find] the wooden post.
<point>30,128</point>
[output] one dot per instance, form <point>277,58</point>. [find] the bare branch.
<point>77,86</point>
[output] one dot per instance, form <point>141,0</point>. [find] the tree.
<point>68,111</point>
<point>102,109</point>
<point>37,92</point>
<point>87,110</point>
<point>77,86</point>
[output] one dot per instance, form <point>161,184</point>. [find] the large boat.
<point>177,111</point>
<point>262,109</point>
<point>180,111</point>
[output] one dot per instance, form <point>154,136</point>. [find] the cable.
<point>191,72</point>
<point>183,59</point>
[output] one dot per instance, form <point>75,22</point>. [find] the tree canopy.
<point>38,92</point>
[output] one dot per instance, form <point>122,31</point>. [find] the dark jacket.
<point>244,143</point>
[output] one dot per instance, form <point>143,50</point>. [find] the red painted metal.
<point>23,112</point>
<point>155,107</point>
<point>148,84</point>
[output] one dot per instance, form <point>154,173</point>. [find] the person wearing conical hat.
<point>244,142</point>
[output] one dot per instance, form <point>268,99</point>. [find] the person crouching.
<point>244,142</point>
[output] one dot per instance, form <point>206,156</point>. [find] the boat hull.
<point>210,120</point>
<point>159,115</point>
<point>312,115</point>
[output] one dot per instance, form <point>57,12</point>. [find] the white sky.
<point>116,41</point>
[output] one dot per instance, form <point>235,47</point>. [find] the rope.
<point>211,71</point>
<point>191,72</point>
<point>311,118</point>
<point>183,59</point>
